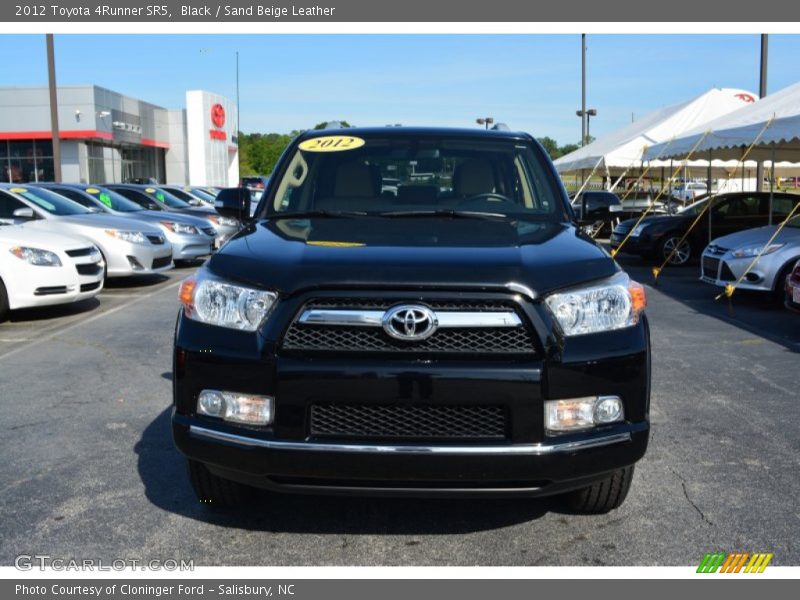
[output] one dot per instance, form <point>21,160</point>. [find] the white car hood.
<point>28,235</point>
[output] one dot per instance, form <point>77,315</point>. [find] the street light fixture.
<point>485,121</point>
<point>592,112</point>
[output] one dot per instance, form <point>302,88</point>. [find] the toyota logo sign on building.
<point>218,115</point>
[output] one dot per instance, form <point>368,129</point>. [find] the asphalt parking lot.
<point>89,469</point>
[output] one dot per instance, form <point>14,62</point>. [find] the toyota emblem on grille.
<point>410,322</point>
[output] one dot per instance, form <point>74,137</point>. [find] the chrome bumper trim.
<point>511,450</point>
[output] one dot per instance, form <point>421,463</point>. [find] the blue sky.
<point>531,82</point>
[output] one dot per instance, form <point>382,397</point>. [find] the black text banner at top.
<point>442,11</point>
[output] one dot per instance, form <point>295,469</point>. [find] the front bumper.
<point>286,457</point>
<point>190,247</point>
<point>635,245</point>
<point>48,286</point>
<point>126,259</point>
<point>723,269</point>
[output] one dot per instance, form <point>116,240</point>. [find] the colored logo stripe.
<point>733,563</point>
<point>758,563</point>
<point>711,562</point>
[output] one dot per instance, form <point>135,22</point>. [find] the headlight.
<point>637,231</point>
<point>36,256</point>
<point>181,228</point>
<point>223,221</point>
<point>133,237</point>
<point>615,303</point>
<point>751,251</point>
<point>210,300</point>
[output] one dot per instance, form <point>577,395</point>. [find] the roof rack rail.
<point>500,127</point>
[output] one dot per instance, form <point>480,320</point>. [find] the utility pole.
<point>238,131</point>
<point>762,91</point>
<point>54,132</point>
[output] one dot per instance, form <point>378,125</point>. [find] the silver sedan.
<point>191,237</point>
<point>129,247</point>
<point>726,259</point>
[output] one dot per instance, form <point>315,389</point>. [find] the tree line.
<point>258,152</point>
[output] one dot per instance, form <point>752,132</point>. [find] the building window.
<point>24,161</point>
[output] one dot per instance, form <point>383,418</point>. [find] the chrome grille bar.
<point>374,318</point>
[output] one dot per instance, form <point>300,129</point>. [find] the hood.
<point>758,235</point>
<point>28,235</point>
<point>290,255</point>
<point>95,221</point>
<point>153,216</point>
<point>651,220</point>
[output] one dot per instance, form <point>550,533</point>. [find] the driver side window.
<point>8,205</point>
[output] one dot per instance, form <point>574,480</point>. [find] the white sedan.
<point>40,268</point>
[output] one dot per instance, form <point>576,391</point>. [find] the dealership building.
<point>108,137</point>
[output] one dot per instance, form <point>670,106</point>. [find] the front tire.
<point>3,302</point>
<point>604,495</point>
<point>216,491</point>
<point>778,292</point>
<point>683,251</point>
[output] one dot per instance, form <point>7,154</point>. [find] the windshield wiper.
<point>451,213</point>
<point>333,214</point>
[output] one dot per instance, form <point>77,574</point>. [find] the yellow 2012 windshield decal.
<point>332,143</point>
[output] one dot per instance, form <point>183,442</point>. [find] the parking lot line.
<point>55,331</point>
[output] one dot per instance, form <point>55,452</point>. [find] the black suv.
<point>453,333</point>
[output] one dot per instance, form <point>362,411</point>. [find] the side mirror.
<point>24,213</point>
<point>234,203</point>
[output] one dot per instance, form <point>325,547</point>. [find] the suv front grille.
<point>458,340</point>
<point>408,422</point>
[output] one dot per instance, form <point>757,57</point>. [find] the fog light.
<point>577,414</point>
<point>608,409</point>
<point>135,264</point>
<point>236,408</point>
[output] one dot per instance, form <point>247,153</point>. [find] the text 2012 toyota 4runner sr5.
<point>449,333</point>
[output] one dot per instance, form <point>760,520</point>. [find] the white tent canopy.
<point>731,134</point>
<point>623,149</point>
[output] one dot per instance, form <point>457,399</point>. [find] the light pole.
<point>762,91</point>
<point>582,112</point>
<point>485,121</point>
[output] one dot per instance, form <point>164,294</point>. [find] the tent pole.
<point>772,184</point>
<point>710,197</point>
<point>670,176</point>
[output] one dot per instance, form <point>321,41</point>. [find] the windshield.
<point>51,202</point>
<point>693,209</point>
<point>393,175</point>
<point>203,195</point>
<point>166,198</point>
<point>113,200</point>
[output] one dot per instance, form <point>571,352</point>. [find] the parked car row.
<point>726,237</point>
<point>59,242</point>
